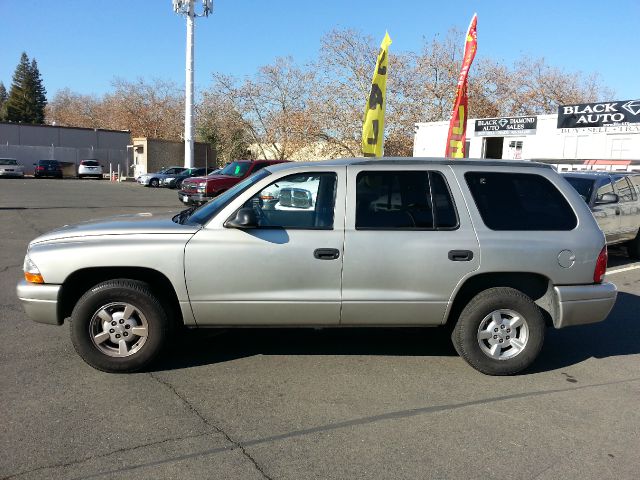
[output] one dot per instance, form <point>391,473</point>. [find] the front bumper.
<point>582,304</point>
<point>192,198</point>
<point>40,301</point>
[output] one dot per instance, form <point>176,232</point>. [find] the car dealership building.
<point>591,134</point>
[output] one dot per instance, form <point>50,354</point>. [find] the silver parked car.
<point>495,250</point>
<point>9,167</point>
<point>154,179</point>
<point>614,199</point>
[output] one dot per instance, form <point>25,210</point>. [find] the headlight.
<point>31,272</point>
<point>201,188</point>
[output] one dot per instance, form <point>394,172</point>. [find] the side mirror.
<point>607,198</point>
<point>245,218</point>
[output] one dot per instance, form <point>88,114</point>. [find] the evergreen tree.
<point>26,100</point>
<point>3,100</point>
<point>40,93</point>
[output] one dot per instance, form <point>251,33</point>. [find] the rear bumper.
<point>583,304</point>
<point>40,301</point>
<point>11,174</point>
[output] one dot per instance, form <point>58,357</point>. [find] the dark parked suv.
<point>47,168</point>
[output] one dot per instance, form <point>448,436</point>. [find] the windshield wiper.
<point>184,215</point>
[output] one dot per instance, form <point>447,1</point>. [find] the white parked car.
<point>90,168</point>
<point>9,167</point>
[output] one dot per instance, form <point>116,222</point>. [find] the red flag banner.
<point>458,123</point>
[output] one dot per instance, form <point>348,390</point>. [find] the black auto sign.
<point>603,114</point>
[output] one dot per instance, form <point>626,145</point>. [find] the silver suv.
<point>496,251</point>
<point>614,199</point>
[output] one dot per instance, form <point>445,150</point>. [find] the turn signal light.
<point>33,277</point>
<point>601,266</point>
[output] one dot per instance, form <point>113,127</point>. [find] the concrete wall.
<point>30,143</point>
<point>152,155</point>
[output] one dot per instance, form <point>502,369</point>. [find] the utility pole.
<point>187,8</point>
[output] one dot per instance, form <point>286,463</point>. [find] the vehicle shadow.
<point>618,335</point>
<point>209,346</point>
<point>618,257</point>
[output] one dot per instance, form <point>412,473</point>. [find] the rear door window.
<point>403,200</point>
<point>519,201</point>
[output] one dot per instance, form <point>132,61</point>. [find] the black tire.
<point>148,311</point>
<point>633,247</point>
<point>177,185</point>
<point>154,183</point>
<point>80,177</point>
<point>466,333</point>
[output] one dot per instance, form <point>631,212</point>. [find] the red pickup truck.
<point>198,190</point>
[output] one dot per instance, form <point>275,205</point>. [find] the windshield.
<point>584,186</point>
<point>236,169</point>
<point>206,212</point>
<point>47,162</point>
<point>7,161</point>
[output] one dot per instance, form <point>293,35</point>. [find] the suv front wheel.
<point>119,326</point>
<point>500,331</point>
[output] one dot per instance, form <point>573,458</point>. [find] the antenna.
<point>187,8</point>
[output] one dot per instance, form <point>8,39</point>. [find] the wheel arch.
<point>536,286</point>
<point>80,281</point>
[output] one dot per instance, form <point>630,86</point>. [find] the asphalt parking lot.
<point>299,404</point>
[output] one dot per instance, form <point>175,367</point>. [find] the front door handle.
<point>460,255</point>
<point>326,253</point>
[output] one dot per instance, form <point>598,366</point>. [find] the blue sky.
<point>83,45</point>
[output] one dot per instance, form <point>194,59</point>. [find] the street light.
<point>187,8</point>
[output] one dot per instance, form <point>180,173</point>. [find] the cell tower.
<point>187,8</point>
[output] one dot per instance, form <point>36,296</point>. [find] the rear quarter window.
<point>520,201</point>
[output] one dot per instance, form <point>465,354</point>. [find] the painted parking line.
<point>624,269</point>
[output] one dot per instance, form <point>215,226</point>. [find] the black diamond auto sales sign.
<point>623,115</point>
<point>486,127</point>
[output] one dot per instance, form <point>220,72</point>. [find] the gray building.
<point>69,145</point>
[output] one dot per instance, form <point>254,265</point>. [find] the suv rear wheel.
<point>500,331</point>
<point>119,326</point>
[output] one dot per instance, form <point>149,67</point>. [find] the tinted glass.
<point>7,161</point>
<point>584,186</point>
<point>519,201</point>
<point>52,163</point>
<point>624,190</point>
<point>90,163</point>
<point>403,200</point>
<point>297,201</point>
<point>236,169</point>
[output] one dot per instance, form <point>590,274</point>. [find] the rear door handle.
<point>326,253</point>
<point>460,255</point>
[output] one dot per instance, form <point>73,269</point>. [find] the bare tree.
<point>273,106</point>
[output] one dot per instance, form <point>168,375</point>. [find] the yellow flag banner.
<point>458,123</point>
<point>373,123</point>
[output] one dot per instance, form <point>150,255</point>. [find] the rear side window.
<point>519,201</point>
<point>413,200</point>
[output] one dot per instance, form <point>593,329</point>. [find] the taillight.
<point>601,266</point>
